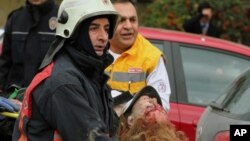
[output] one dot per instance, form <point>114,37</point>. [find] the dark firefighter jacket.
<point>74,100</point>
<point>28,34</point>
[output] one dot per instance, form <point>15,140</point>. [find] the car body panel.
<point>213,122</point>
<point>185,110</point>
<point>180,37</point>
<point>232,108</point>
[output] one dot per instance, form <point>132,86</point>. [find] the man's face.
<point>207,15</point>
<point>37,2</point>
<point>127,27</point>
<point>98,33</point>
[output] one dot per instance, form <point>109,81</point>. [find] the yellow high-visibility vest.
<point>129,71</point>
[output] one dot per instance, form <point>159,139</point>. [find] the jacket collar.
<point>89,65</point>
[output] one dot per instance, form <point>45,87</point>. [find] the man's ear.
<point>130,121</point>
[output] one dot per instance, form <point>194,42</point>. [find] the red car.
<point>199,69</point>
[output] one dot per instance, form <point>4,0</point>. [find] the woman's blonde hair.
<point>144,130</point>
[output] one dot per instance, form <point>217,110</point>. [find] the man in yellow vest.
<point>137,62</point>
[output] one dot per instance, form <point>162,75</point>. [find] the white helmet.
<point>72,12</point>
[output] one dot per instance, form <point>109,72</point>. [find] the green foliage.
<point>170,14</point>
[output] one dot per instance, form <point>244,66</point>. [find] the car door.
<point>197,75</point>
<point>165,47</point>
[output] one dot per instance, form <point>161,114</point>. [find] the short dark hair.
<point>204,5</point>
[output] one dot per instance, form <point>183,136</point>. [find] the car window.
<point>240,102</point>
<point>158,44</point>
<point>208,72</point>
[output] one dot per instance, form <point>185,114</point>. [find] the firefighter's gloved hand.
<point>7,105</point>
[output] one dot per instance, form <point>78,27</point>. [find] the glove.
<point>7,105</point>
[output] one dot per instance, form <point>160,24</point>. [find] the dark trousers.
<point>6,129</point>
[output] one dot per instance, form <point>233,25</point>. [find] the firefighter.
<point>69,99</point>
<point>29,31</point>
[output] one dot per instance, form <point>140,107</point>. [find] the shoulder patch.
<point>52,23</point>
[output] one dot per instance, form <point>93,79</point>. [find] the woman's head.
<point>148,91</point>
<point>142,107</point>
<point>146,120</point>
<point>146,103</point>
<point>153,125</point>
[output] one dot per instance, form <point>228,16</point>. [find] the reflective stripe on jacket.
<point>25,43</point>
<point>129,71</point>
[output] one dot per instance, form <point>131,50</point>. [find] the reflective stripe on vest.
<point>126,77</point>
<point>26,110</point>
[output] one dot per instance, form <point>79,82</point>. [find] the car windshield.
<point>237,102</point>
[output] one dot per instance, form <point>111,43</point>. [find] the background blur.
<point>232,16</point>
<point>6,6</point>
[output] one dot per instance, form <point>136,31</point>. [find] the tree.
<point>230,16</point>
